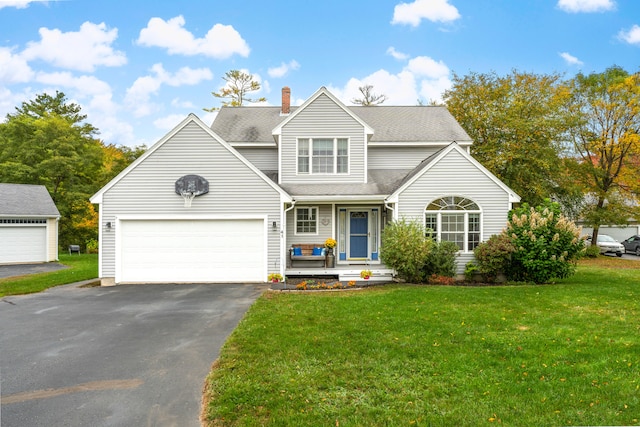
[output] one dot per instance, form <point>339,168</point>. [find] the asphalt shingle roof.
<point>22,200</point>
<point>391,124</point>
<point>380,182</point>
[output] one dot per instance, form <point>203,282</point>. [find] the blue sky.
<point>139,67</point>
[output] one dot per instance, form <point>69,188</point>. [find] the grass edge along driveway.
<point>80,267</point>
<point>563,354</point>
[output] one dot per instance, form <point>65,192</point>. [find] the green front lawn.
<point>83,267</point>
<point>564,354</point>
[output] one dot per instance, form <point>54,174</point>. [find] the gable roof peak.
<point>322,91</point>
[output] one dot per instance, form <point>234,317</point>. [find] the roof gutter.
<point>334,199</point>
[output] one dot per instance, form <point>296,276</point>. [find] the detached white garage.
<point>28,224</point>
<point>190,250</point>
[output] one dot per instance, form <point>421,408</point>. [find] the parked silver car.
<point>632,244</point>
<point>608,245</point>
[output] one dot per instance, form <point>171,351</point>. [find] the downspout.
<point>386,206</point>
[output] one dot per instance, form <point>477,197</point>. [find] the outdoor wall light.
<point>108,224</point>
<point>274,226</point>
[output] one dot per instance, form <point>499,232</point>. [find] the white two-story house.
<point>227,202</point>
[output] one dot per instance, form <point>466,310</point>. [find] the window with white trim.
<point>455,219</point>
<point>323,155</point>
<point>307,220</point>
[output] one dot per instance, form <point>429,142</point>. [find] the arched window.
<point>455,219</point>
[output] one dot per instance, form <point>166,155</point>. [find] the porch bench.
<point>306,253</point>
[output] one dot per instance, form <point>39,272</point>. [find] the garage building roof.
<point>24,200</point>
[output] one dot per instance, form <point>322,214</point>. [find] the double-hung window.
<point>307,220</point>
<point>323,155</point>
<point>454,219</point>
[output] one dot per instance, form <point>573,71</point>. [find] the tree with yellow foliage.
<point>606,142</point>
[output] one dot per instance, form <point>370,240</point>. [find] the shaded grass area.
<point>563,354</point>
<point>83,267</point>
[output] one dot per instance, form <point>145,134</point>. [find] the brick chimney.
<point>286,101</point>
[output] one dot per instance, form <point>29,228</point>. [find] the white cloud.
<point>577,6</point>
<point>570,59</point>
<point>422,78</point>
<point>220,42</point>
<point>178,103</point>
<point>424,66</point>
<point>9,100</point>
<point>283,69</point>
<point>13,68</point>
<point>168,122</point>
<point>82,50</point>
<point>18,4</point>
<point>632,36</point>
<point>85,85</point>
<point>397,55</point>
<point>139,94</point>
<point>433,10</point>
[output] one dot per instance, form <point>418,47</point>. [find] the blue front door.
<point>358,235</point>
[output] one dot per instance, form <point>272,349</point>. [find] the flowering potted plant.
<point>365,274</point>
<point>275,277</point>
<point>330,243</point>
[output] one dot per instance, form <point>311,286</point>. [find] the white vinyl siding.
<point>265,159</point>
<point>324,226</point>
<point>455,175</point>
<point>234,189</point>
<point>398,157</point>
<point>323,119</point>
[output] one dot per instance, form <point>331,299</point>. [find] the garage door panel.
<point>23,244</point>
<point>192,250</point>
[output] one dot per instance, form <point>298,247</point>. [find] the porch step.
<point>378,275</point>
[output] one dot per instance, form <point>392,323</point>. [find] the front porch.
<point>343,272</point>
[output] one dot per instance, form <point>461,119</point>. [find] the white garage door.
<point>23,244</point>
<point>191,251</point>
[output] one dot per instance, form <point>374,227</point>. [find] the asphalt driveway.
<point>120,356</point>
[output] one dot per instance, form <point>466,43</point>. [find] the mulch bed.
<point>327,283</point>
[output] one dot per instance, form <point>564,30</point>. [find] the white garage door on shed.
<point>22,244</point>
<point>190,250</point>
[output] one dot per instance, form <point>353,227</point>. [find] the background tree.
<point>368,97</point>
<point>48,142</point>
<point>606,140</point>
<point>517,123</point>
<point>238,85</point>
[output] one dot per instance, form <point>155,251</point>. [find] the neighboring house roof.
<point>191,118</point>
<point>390,124</point>
<point>25,200</point>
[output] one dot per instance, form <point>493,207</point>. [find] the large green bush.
<point>441,261</point>
<point>494,256</point>
<point>538,245</point>
<point>405,248</point>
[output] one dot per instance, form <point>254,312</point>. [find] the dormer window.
<point>323,155</point>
